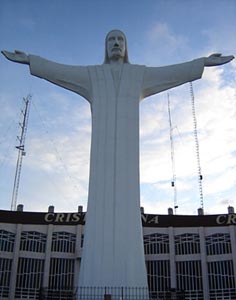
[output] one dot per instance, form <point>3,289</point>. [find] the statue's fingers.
<point>6,53</point>
<point>228,58</point>
<point>216,54</point>
<point>18,52</point>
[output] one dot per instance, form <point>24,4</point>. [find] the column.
<point>78,253</point>
<point>204,264</point>
<point>15,261</point>
<point>47,256</point>
<point>232,231</point>
<point>172,259</point>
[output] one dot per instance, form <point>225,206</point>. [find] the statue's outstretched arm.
<point>17,56</point>
<point>74,78</point>
<point>217,59</point>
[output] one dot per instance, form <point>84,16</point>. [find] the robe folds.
<point>113,253</point>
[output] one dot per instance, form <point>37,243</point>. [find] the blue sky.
<point>55,169</point>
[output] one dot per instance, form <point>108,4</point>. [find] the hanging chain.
<point>200,177</point>
<point>173,182</point>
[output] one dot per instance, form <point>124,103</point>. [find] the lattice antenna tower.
<point>195,131</point>
<point>173,182</point>
<point>21,149</point>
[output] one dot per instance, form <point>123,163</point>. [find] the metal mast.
<point>173,182</point>
<point>200,177</point>
<point>21,149</point>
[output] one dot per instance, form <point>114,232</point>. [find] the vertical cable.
<point>173,182</point>
<point>21,151</point>
<point>200,177</point>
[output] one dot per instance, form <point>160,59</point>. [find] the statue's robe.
<point>113,253</point>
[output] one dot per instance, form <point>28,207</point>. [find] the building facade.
<point>187,257</point>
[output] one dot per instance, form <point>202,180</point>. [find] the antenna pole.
<point>21,150</point>
<point>173,182</point>
<point>200,177</point>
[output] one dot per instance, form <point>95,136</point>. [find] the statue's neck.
<point>117,61</point>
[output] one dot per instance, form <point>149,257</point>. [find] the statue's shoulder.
<point>136,66</point>
<point>129,69</point>
<point>126,65</point>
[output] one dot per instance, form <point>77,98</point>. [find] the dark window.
<point>218,243</point>
<point>61,273</point>
<point>221,280</point>
<point>63,242</point>
<point>29,278</point>
<point>5,275</point>
<point>7,240</point>
<point>33,241</point>
<point>158,273</point>
<point>156,243</point>
<point>187,243</point>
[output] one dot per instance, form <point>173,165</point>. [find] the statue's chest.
<point>115,84</point>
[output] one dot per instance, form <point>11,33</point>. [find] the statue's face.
<point>116,45</point>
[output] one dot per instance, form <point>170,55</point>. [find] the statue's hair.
<point>107,59</point>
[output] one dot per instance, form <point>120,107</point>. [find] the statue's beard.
<point>116,56</point>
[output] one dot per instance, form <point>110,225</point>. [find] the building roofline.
<point>148,220</point>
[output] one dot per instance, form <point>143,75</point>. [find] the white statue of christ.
<point>113,252</point>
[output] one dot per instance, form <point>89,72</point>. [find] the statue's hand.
<point>16,56</point>
<point>217,59</point>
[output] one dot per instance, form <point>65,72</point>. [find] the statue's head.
<point>116,47</point>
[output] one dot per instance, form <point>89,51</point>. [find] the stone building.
<point>187,256</point>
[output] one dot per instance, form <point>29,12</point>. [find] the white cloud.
<point>161,33</point>
<point>220,182</point>
<point>57,172</point>
<point>216,122</point>
<point>216,39</point>
<point>164,45</point>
